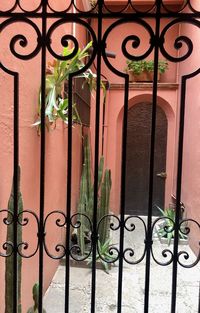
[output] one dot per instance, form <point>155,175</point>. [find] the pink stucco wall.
<point>55,185</point>
<point>29,154</point>
<point>167,99</point>
<point>191,152</point>
<point>56,141</point>
<point>120,32</point>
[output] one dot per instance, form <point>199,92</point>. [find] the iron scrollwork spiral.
<point>109,222</point>
<point>180,41</point>
<point>167,226</point>
<point>114,224</point>
<point>68,40</point>
<point>24,221</point>
<point>7,246</point>
<point>166,253</point>
<point>61,222</point>
<point>21,39</point>
<point>184,257</point>
<point>134,39</point>
<point>131,226</point>
<point>21,221</point>
<point>77,222</point>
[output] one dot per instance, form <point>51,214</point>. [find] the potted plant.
<point>165,229</point>
<point>136,70</point>
<point>143,70</point>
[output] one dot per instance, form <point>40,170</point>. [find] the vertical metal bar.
<point>199,300</point>
<point>122,198</point>
<point>96,159</point>
<point>151,164</point>
<point>42,155</point>
<point>69,182</point>
<point>178,194</point>
<point>15,217</point>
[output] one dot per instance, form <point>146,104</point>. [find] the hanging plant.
<point>57,73</point>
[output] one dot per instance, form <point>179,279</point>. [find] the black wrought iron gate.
<point>99,19</point>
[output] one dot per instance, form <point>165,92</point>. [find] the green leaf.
<point>67,51</point>
<point>63,104</point>
<point>84,52</point>
<point>51,104</point>
<point>163,212</point>
<point>63,116</point>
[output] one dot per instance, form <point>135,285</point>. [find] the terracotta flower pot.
<point>142,77</point>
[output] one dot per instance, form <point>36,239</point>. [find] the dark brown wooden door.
<point>138,154</point>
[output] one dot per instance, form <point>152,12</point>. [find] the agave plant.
<point>57,73</point>
<point>167,229</point>
<point>104,255</point>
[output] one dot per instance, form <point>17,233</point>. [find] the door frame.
<point>170,113</point>
<point>139,126</point>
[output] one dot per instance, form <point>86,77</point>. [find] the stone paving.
<point>133,284</point>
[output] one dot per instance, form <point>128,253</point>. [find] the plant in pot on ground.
<point>85,210</point>
<point>143,70</point>
<point>166,227</point>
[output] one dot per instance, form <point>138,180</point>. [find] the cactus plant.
<point>81,210</point>
<point>86,199</point>
<point>85,196</point>
<point>35,291</point>
<point>9,277</point>
<point>103,208</point>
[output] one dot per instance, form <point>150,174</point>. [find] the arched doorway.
<point>138,155</point>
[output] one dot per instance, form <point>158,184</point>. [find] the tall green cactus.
<point>34,309</point>
<point>84,206</point>
<point>103,208</point>
<point>9,278</point>
<point>82,209</point>
<point>86,199</point>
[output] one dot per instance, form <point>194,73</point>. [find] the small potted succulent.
<point>140,71</point>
